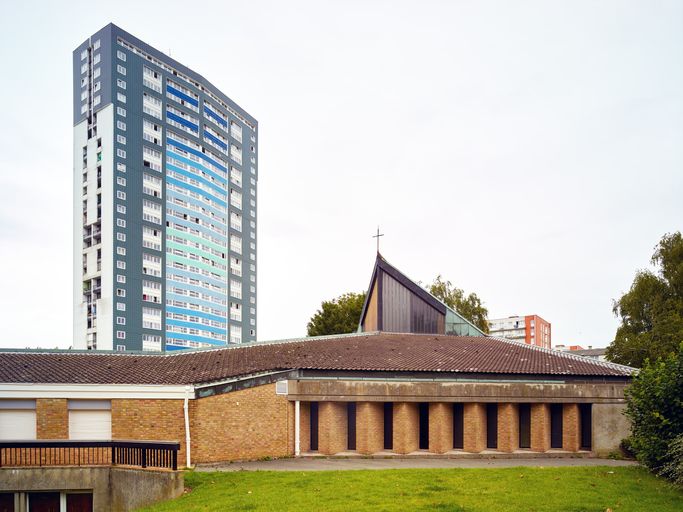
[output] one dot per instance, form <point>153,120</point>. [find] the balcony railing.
<point>143,454</point>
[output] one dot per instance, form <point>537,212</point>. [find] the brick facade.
<point>52,418</point>
<point>571,439</point>
<point>246,424</point>
<point>332,427</point>
<point>406,427</point>
<point>508,427</point>
<point>369,427</point>
<point>440,427</point>
<point>474,427</point>
<point>305,427</point>
<point>160,420</point>
<point>540,427</point>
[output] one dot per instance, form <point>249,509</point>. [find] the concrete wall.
<point>114,489</point>
<point>610,426</point>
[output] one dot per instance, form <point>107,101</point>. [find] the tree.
<point>655,407</point>
<point>337,316</point>
<point>469,306</point>
<point>652,310</point>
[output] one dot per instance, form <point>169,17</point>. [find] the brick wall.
<point>332,427</point>
<point>406,427</point>
<point>540,427</point>
<point>474,437</point>
<point>369,427</point>
<point>52,418</point>
<point>305,426</point>
<point>570,428</point>
<point>155,419</point>
<point>246,424</point>
<point>440,427</point>
<point>508,427</point>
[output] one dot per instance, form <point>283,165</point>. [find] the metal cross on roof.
<point>377,237</point>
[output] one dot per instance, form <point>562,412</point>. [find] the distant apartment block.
<point>529,329</point>
<point>165,194</point>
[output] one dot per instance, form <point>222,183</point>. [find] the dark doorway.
<point>556,425</point>
<point>351,426</point>
<point>525,425</point>
<point>424,426</point>
<point>492,426</point>
<point>79,502</point>
<point>43,502</point>
<point>458,426</point>
<point>586,414</point>
<point>6,502</point>
<point>388,425</point>
<point>314,426</point>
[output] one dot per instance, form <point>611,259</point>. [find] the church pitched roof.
<point>381,264</point>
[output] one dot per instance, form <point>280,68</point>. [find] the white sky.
<point>531,152</point>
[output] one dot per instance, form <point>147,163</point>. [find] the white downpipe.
<point>297,428</point>
<point>186,410</point>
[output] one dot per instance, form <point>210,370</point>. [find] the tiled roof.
<point>364,352</point>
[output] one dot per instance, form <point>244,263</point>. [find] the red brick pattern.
<point>474,438</point>
<point>52,418</point>
<point>571,439</point>
<point>440,427</point>
<point>508,427</point>
<point>540,427</point>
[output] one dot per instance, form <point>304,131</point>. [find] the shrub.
<point>673,468</point>
<point>655,407</point>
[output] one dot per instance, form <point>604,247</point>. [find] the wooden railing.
<point>48,452</point>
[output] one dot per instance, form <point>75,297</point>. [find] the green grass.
<point>595,488</point>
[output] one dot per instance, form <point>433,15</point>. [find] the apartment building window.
<point>121,97</point>
<point>121,69</point>
<point>121,335</point>
<point>97,72</point>
<point>121,139</point>
<point>121,167</point>
<point>121,237</point>
<point>151,291</point>
<point>151,105</point>
<point>151,265</point>
<point>121,264</point>
<point>120,124</point>
<point>151,238</point>
<point>151,79</point>
<point>151,158</point>
<point>151,211</point>
<point>120,208</point>
<point>96,45</point>
<point>151,185</point>
<point>122,112</point>
<point>235,131</point>
<point>121,55</point>
<point>84,54</point>
<point>151,342</point>
<point>120,306</point>
<point>121,251</point>
<point>121,320</point>
<point>121,181</point>
<point>151,318</point>
<point>121,83</point>
<point>121,153</point>
<point>97,100</point>
<point>120,279</point>
<point>120,292</point>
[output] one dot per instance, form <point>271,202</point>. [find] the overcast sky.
<point>531,152</point>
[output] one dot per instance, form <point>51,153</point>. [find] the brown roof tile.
<point>365,352</point>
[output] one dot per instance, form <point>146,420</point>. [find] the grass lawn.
<point>594,488</point>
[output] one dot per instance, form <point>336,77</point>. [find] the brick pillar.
<point>571,439</point>
<point>52,418</point>
<point>305,427</point>
<point>332,427</point>
<point>540,427</point>
<point>369,427</point>
<point>406,427</point>
<point>475,427</point>
<point>508,427</point>
<point>440,427</point>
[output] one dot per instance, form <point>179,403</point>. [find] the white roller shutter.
<point>90,419</point>
<point>17,425</point>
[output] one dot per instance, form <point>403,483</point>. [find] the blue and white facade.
<point>165,187</point>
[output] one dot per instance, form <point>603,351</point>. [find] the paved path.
<point>325,464</point>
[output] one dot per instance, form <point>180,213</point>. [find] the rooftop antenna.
<point>377,237</point>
